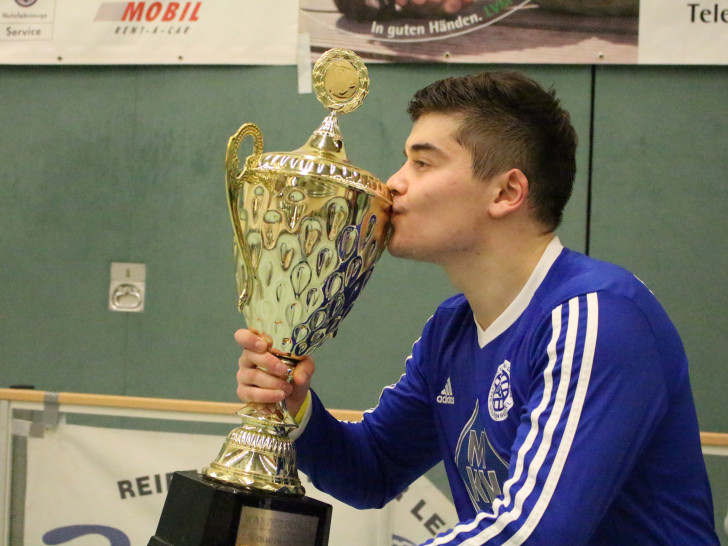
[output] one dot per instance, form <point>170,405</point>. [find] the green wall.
<point>125,164</point>
<point>103,164</point>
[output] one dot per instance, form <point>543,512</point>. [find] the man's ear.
<point>510,193</point>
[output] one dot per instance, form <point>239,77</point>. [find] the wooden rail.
<point>141,403</point>
<point>713,439</point>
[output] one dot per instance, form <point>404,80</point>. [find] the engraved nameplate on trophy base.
<point>201,512</point>
<point>262,526</point>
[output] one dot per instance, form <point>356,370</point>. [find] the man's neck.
<point>492,279</point>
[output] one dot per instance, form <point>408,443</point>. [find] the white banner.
<point>683,32</point>
<point>85,483</point>
<point>168,32</point>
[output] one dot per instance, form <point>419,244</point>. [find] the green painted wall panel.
<point>659,200</point>
<point>125,164</point>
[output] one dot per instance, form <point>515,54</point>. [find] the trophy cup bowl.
<point>308,229</point>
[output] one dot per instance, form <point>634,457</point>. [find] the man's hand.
<point>369,10</point>
<point>262,377</point>
<point>433,7</point>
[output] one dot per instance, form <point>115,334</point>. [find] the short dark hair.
<point>510,121</point>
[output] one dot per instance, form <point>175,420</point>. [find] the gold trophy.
<point>309,227</point>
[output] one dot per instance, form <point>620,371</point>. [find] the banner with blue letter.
<point>85,482</point>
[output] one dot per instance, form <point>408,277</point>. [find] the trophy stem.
<point>260,455</point>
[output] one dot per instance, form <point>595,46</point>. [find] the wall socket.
<point>127,287</point>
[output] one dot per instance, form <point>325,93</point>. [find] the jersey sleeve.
<point>597,393</point>
<point>366,464</point>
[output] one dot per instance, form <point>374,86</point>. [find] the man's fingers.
<point>265,362</point>
<point>256,377</point>
<point>247,393</point>
<point>303,372</point>
<point>262,377</point>
<point>452,6</point>
<point>256,385</point>
<point>248,340</point>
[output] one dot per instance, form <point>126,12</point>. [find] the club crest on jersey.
<point>481,468</point>
<point>500,398</point>
<point>446,396</point>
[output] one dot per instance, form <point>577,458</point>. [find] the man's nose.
<point>396,183</point>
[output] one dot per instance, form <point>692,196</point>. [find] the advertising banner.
<point>167,32</point>
<point>689,32</point>
<point>522,31</point>
<point>274,32</point>
<point>487,31</point>
<point>84,483</point>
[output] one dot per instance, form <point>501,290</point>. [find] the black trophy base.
<point>201,512</point>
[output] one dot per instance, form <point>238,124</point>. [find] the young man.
<point>555,388</point>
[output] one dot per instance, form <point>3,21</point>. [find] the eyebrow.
<point>423,147</point>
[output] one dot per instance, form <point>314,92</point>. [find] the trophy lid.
<point>341,82</point>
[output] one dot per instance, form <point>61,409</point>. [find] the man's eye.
<point>419,164</point>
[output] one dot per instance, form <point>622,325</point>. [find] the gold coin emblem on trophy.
<point>308,227</point>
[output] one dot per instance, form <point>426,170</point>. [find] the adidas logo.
<point>446,396</point>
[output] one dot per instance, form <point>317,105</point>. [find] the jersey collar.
<point>519,304</point>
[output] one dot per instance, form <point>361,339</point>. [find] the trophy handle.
<point>235,178</point>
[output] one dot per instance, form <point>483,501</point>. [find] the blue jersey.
<point>569,420</point>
